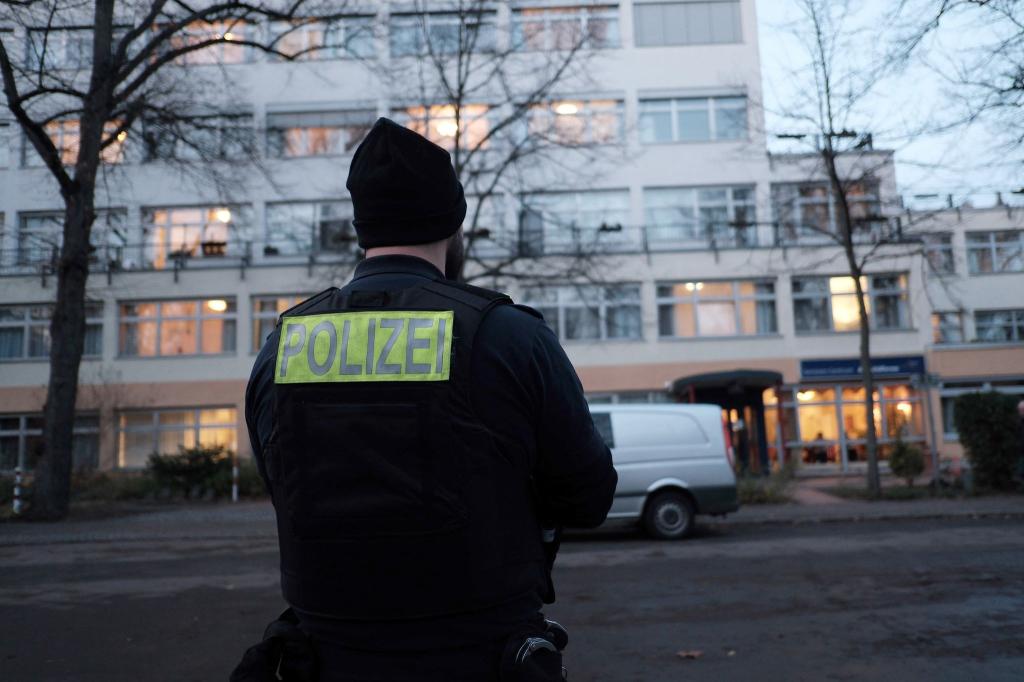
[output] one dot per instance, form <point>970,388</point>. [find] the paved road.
<point>875,600</point>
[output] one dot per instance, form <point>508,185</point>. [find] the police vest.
<point>392,499</point>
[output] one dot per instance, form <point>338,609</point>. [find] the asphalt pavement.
<point>179,594</point>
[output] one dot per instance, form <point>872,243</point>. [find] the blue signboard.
<point>850,367</point>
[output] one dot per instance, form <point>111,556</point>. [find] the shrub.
<point>113,486</point>
<point>906,461</point>
<point>987,425</point>
<point>194,472</point>
<point>772,489</point>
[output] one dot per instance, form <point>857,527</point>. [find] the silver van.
<point>673,461</point>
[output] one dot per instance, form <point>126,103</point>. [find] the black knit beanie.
<point>404,189</point>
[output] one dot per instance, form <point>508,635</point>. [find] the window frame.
<point>425,23</point>
<point>123,321</point>
<point>258,317</point>
<point>156,428</point>
<point>328,48</point>
<point>22,432</point>
<point>703,235</point>
<point>274,241</point>
<point>588,110</point>
<point>581,14</point>
<point>1015,324</point>
<point>6,138</point>
<point>563,298</point>
<point>939,253</point>
<point>673,106</point>
<point>736,298</point>
<point>987,244</point>
<point>684,6</point>
<point>944,321</point>
<point>234,233</point>
<point>353,132</point>
<point>871,292</point>
<point>93,329</point>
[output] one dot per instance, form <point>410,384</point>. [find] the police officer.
<point>417,435</point>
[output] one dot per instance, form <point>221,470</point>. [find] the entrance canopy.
<point>735,382</point>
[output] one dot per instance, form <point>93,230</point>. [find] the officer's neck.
<point>434,253</point>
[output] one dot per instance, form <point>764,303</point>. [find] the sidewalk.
<point>254,521</point>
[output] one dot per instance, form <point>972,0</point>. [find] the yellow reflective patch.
<point>382,345</point>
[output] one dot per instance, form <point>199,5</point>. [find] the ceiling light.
<point>217,305</point>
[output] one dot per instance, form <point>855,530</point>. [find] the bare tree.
<point>77,97</point>
<point>501,102</point>
<point>845,212</point>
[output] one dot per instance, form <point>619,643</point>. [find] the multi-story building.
<point>716,283</point>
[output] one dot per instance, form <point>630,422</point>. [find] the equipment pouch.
<point>531,659</point>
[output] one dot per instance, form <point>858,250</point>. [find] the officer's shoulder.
<point>473,296</point>
<point>303,306</point>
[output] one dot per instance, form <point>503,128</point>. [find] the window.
<point>947,327</point>
<point>990,252</point>
<point>314,40</point>
<point>58,48</point>
<point>938,250</point>
<point>578,122</point>
<point>692,309</point>
<point>186,327</point>
<point>25,330</point>
<point>699,217</point>
<point>21,441</point>
<point>40,235</point>
<point>565,28</point>
<point>830,303</point>
<point>5,144</point>
<point>806,212</point>
<point>265,311</point>
<point>208,232</point>
<point>996,326</point>
<point>687,23</point>
<point>557,221</point>
<point>299,228</point>
<point>588,312</point>
<point>441,33</point>
<point>438,124</point>
<point>64,134</point>
<point>204,137</point>
<point>695,119</point>
<point>229,51</point>
<point>317,134</point>
<point>143,433</point>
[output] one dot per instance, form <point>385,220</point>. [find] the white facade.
<point>176,329</point>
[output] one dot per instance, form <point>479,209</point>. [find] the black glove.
<point>284,654</point>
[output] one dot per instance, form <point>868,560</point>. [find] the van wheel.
<point>669,515</point>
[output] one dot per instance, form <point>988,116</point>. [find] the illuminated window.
<point>693,119</point>
<point>265,311</point>
<point>315,40</point>
<point>318,133</point>
<point>577,122</point>
<point>438,124</point>
<point>565,28</point>
<point>589,312</point>
<point>226,49</point>
<point>65,136</point>
<point>692,309</point>
<point>690,217</point>
<point>142,433</point>
<point>185,327</point>
<point>947,327</point>
<point>830,303</point>
<point>25,330</point>
<point>175,234</point>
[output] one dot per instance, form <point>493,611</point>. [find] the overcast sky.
<point>959,162</point>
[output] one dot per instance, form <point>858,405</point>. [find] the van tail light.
<point>727,437</point>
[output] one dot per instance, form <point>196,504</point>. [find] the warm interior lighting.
<point>567,108</point>
<point>806,396</point>
<point>122,136</point>
<point>446,128</point>
<point>906,409</point>
<point>229,36</point>
<point>694,286</point>
<point>217,305</point>
<point>222,215</point>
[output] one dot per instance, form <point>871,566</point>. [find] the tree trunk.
<point>52,483</point>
